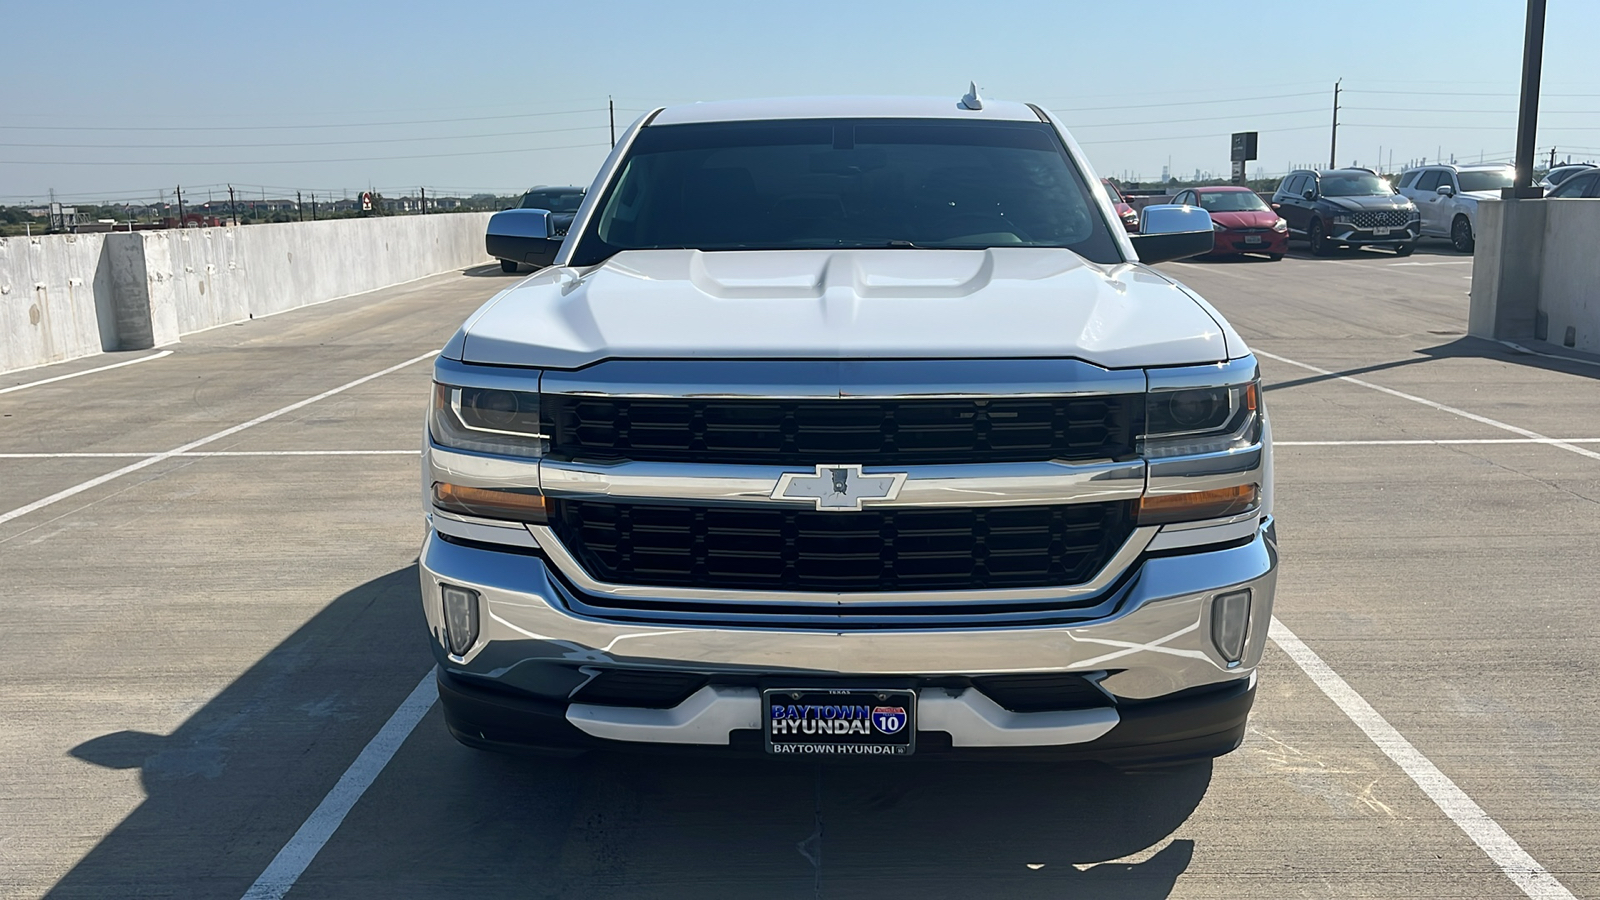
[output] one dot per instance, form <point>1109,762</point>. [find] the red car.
<point>1243,222</point>
<point>1128,215</point>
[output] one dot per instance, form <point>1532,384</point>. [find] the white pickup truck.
<point>851,427</point>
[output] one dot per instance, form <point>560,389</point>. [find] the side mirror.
<point>1168,232</point>
<point>1310,194</point>
<point>522,235</point>
<point>1445,190</point>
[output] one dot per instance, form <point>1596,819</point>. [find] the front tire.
<point>1461,234</point>
<point>508,267</point>
<point>1318,239</point>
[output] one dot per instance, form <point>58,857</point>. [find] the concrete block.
<point>1507,269</point>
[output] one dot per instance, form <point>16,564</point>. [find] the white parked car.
<point>1447,197</point>
<point>851,427</point>
<point>1555,177</point>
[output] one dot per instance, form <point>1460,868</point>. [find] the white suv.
<point>1447,197</point>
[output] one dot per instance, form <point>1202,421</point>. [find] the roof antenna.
<point>972,100</point>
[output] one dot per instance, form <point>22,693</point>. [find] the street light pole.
<point>1528,111</point>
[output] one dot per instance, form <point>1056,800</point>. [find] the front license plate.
<point>1380,231</point>
<point>1252,239</point>
<point>826,722</point>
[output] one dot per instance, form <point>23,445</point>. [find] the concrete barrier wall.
<point>55,299</point>
<point>1569,283</point>
<point>64,296</point>
<point>1536,274</point>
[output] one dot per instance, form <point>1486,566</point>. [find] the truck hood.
<point>845,304</point>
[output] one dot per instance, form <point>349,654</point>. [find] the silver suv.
<point>851,427</point>
<point>1447,198</point>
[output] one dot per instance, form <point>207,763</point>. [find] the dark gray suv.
<point>1346,208</point>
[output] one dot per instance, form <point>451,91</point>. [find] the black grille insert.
<point>874,550</point>
<point>1042,692</point>
<point>645,688</point>
<point>877,432</point>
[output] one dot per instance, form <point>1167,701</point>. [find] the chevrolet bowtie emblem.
<point>839,488</point>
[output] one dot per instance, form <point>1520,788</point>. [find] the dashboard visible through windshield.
<point>847,183</point>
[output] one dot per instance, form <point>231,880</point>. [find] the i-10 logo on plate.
<point>889,719</point>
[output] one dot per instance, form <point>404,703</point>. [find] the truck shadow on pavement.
<point>1545,357</point>
<point>233,783</point>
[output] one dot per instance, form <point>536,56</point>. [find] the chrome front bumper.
<point>1154,642</point>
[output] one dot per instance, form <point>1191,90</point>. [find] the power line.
<point>1462,93</point>
<point>1187,137</point>
<point>443,137</point>
<point>1182,102</point>
<point>286,162</point>
<point>1077,125</point>
<point>566,112</point>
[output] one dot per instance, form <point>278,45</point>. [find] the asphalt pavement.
<point>210,634</point>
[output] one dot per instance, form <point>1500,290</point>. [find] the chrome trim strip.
<point>1210,531</point>
<point>970,718</point>
<point>973,720</point>
<point>989,484</point>
<point>1207,471</point>
<point>487,531</point>
<point>875,379</point>
<point>1227,374</point>
<point>473,469</point>
<point>704,717</point>
<point>568,565</point>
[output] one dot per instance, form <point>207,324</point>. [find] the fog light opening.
<point>1230,623</point>
<point>460,618</point>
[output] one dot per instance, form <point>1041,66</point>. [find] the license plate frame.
<point>1380,231</point>
<point>837,726</point>
<point>1252,239</point>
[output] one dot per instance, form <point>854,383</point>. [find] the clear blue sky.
<point>347,87</point>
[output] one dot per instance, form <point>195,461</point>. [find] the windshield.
<point>1229,201</point>
<point>858,183</point>
<point>555,201</point>
<point>1354,184</point>
<point>1111,189</point>
<point>1486,181</point>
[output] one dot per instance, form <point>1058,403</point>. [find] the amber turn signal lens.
<point>489,503</point>
<point>1195,505</point>
<point>1251,397</point>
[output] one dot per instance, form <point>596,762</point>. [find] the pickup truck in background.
<point>851,427</point>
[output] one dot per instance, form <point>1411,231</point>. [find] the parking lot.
<point>211,631</point>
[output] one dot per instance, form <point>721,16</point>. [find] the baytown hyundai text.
<point>851,427</point>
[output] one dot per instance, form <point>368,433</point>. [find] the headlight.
<point>1201,420</point>
<point>487,420</point>
<point>1280,226</point>
<point>1217,226</point>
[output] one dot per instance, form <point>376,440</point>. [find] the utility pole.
<point>611,107</point>
<point>313,206</point>
<point>1333,141</point>
<point>232,210</point>
<point>1528,111</point>
<point>1552,159</point>
<point>299,211</point>
<point>180,206</point>
<point>424,192</point>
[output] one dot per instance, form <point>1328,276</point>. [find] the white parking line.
<point>1554,442</point>
<point>291,861</point>
<point>1438,441</point>
<point>1523,870</point>
<point>1442,262</point>
<point>126,362</point>
<point>148,461</point>
<point>169,455</point>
